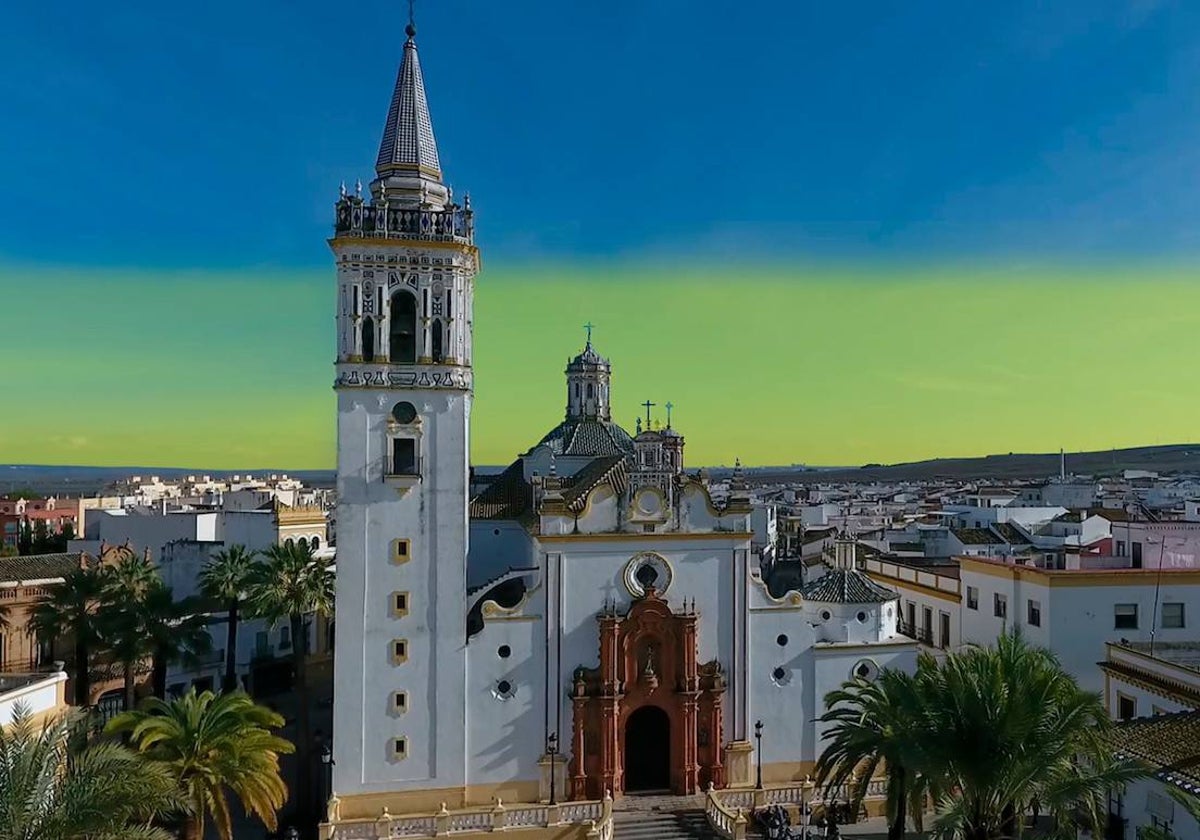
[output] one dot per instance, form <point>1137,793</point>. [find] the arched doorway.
<point>648,750</point>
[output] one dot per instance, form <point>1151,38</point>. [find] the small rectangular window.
<point>400,551</point>
<point>404,456</point>
<point>399,604</point>
<point>399,747</point>
<point>1000,605</point>
<point>356,300</point>
<point>1137,554</point>
<point>1172,616</point>
<point>1126,707</point>
<point>449,298</point>
<point>1125,617</point>
<point>1120,548</point>
<point>285,638</point>
<point>972,598</point>
<point>1035,613</point>
<point>400,701</point>
<point>399,651</point>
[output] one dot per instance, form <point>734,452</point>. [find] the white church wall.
<point>602,513</point>
<point>496,547</point>
<point>780,678</point>
<point>834,665</point>
<point>505,731</point>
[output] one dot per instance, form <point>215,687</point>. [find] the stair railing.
<point>722,819</point>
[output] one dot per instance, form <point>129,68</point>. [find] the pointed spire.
<point>408,156</point>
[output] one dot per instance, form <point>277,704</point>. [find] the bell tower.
<point>406,262</point>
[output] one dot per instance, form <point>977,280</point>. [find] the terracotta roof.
<point>37,566</point>
<point>509,496</point>
<point>847,586</point>
<point>594,438</point>
<point>1170,744</point>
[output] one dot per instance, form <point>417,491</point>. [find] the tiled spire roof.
<point>408,144</point>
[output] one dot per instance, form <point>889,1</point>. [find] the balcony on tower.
<point>357,218</point>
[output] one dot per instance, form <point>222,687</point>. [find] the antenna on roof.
<point>411,29</point>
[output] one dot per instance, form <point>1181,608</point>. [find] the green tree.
<point>1007,725</point>
<point>41,538</point>
<point>288,586</point>
<point>877,724</point>
<point>72,610</point>
<point>214,745</point>
<point>129,577</point>
<point>56,785</point>
<point>226,579</point>
<point>984,733</point>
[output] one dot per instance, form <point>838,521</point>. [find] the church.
<point>588,621</point>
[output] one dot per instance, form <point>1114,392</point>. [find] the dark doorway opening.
<point>648,750</point>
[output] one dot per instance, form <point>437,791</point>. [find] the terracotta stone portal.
<point>650,688</point>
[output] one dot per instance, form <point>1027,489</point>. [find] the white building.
<point>593,597</point>
<point>1154,689</point>
<point>1075,612</point>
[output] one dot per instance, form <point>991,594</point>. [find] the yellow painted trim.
<point>605,536</point>
<point>1059,577</point>
<point>901,583</point>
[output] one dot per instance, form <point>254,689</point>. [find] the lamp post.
<point>327,775</point>
<point>552,751</point>
<point>758,728</point>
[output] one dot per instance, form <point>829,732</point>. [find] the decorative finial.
<point>639,425</point>
<point>411,29</point>
<point>668,407</point>
<point>588,326</point>
<point>358,187</point>
<point>342,190</point>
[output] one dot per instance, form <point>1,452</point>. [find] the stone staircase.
<point>662,818</point>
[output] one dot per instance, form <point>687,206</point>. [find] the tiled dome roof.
<point>847,586</point>
<point>592,438</point>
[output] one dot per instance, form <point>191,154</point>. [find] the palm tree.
<point>71,609</point>
<point>213,744</point>
<point>130,576</point>
<point>873,724</point>
<point>54,785</point>
<point>175,631</point>
<point>292,584</point>
<point>226,578</point>
<point>1006,725</point>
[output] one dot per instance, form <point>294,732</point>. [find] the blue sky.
<point>214,135</point>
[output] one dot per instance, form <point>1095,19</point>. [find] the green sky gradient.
<point>826,364</point>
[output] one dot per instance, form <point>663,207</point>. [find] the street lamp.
<point>758,728</point>
<point>552,750</point>
<point>327,764</point>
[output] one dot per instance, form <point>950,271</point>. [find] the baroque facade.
<point>589,617</point>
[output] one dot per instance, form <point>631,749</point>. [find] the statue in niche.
<point>649,677</point>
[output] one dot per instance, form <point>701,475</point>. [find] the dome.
<point>847,586</point>
<point>587,437</point>
<point>589,357</point>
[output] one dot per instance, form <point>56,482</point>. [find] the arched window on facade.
<point>402,337</point>
<point>304,542</point>
<point>368,340</point>
<point>590,393</point>
<point>289,542</point>
<point>435,342</point>
<point>316,543</point>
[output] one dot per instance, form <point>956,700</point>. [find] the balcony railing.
<point>924,635</point>
<point>354,217</point>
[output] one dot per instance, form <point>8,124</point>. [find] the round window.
<point>504,652</point>
<point>504,689</point>
<point>778,674</point>
<point>781,640</point>
<point>826,615</point>
<point>865,669</point>
<point>862,616</point>
<point>404,412</point>
<point>781,676</point>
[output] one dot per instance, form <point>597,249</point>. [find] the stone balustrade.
<point>594,819</point>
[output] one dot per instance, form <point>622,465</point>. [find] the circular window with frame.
<point>645,571</point>
<point>781,676</point>
<point>865,669</point>
<point>404,413</point>
<point>504,690</point>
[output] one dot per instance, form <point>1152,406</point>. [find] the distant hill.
<point>1181,457</point>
